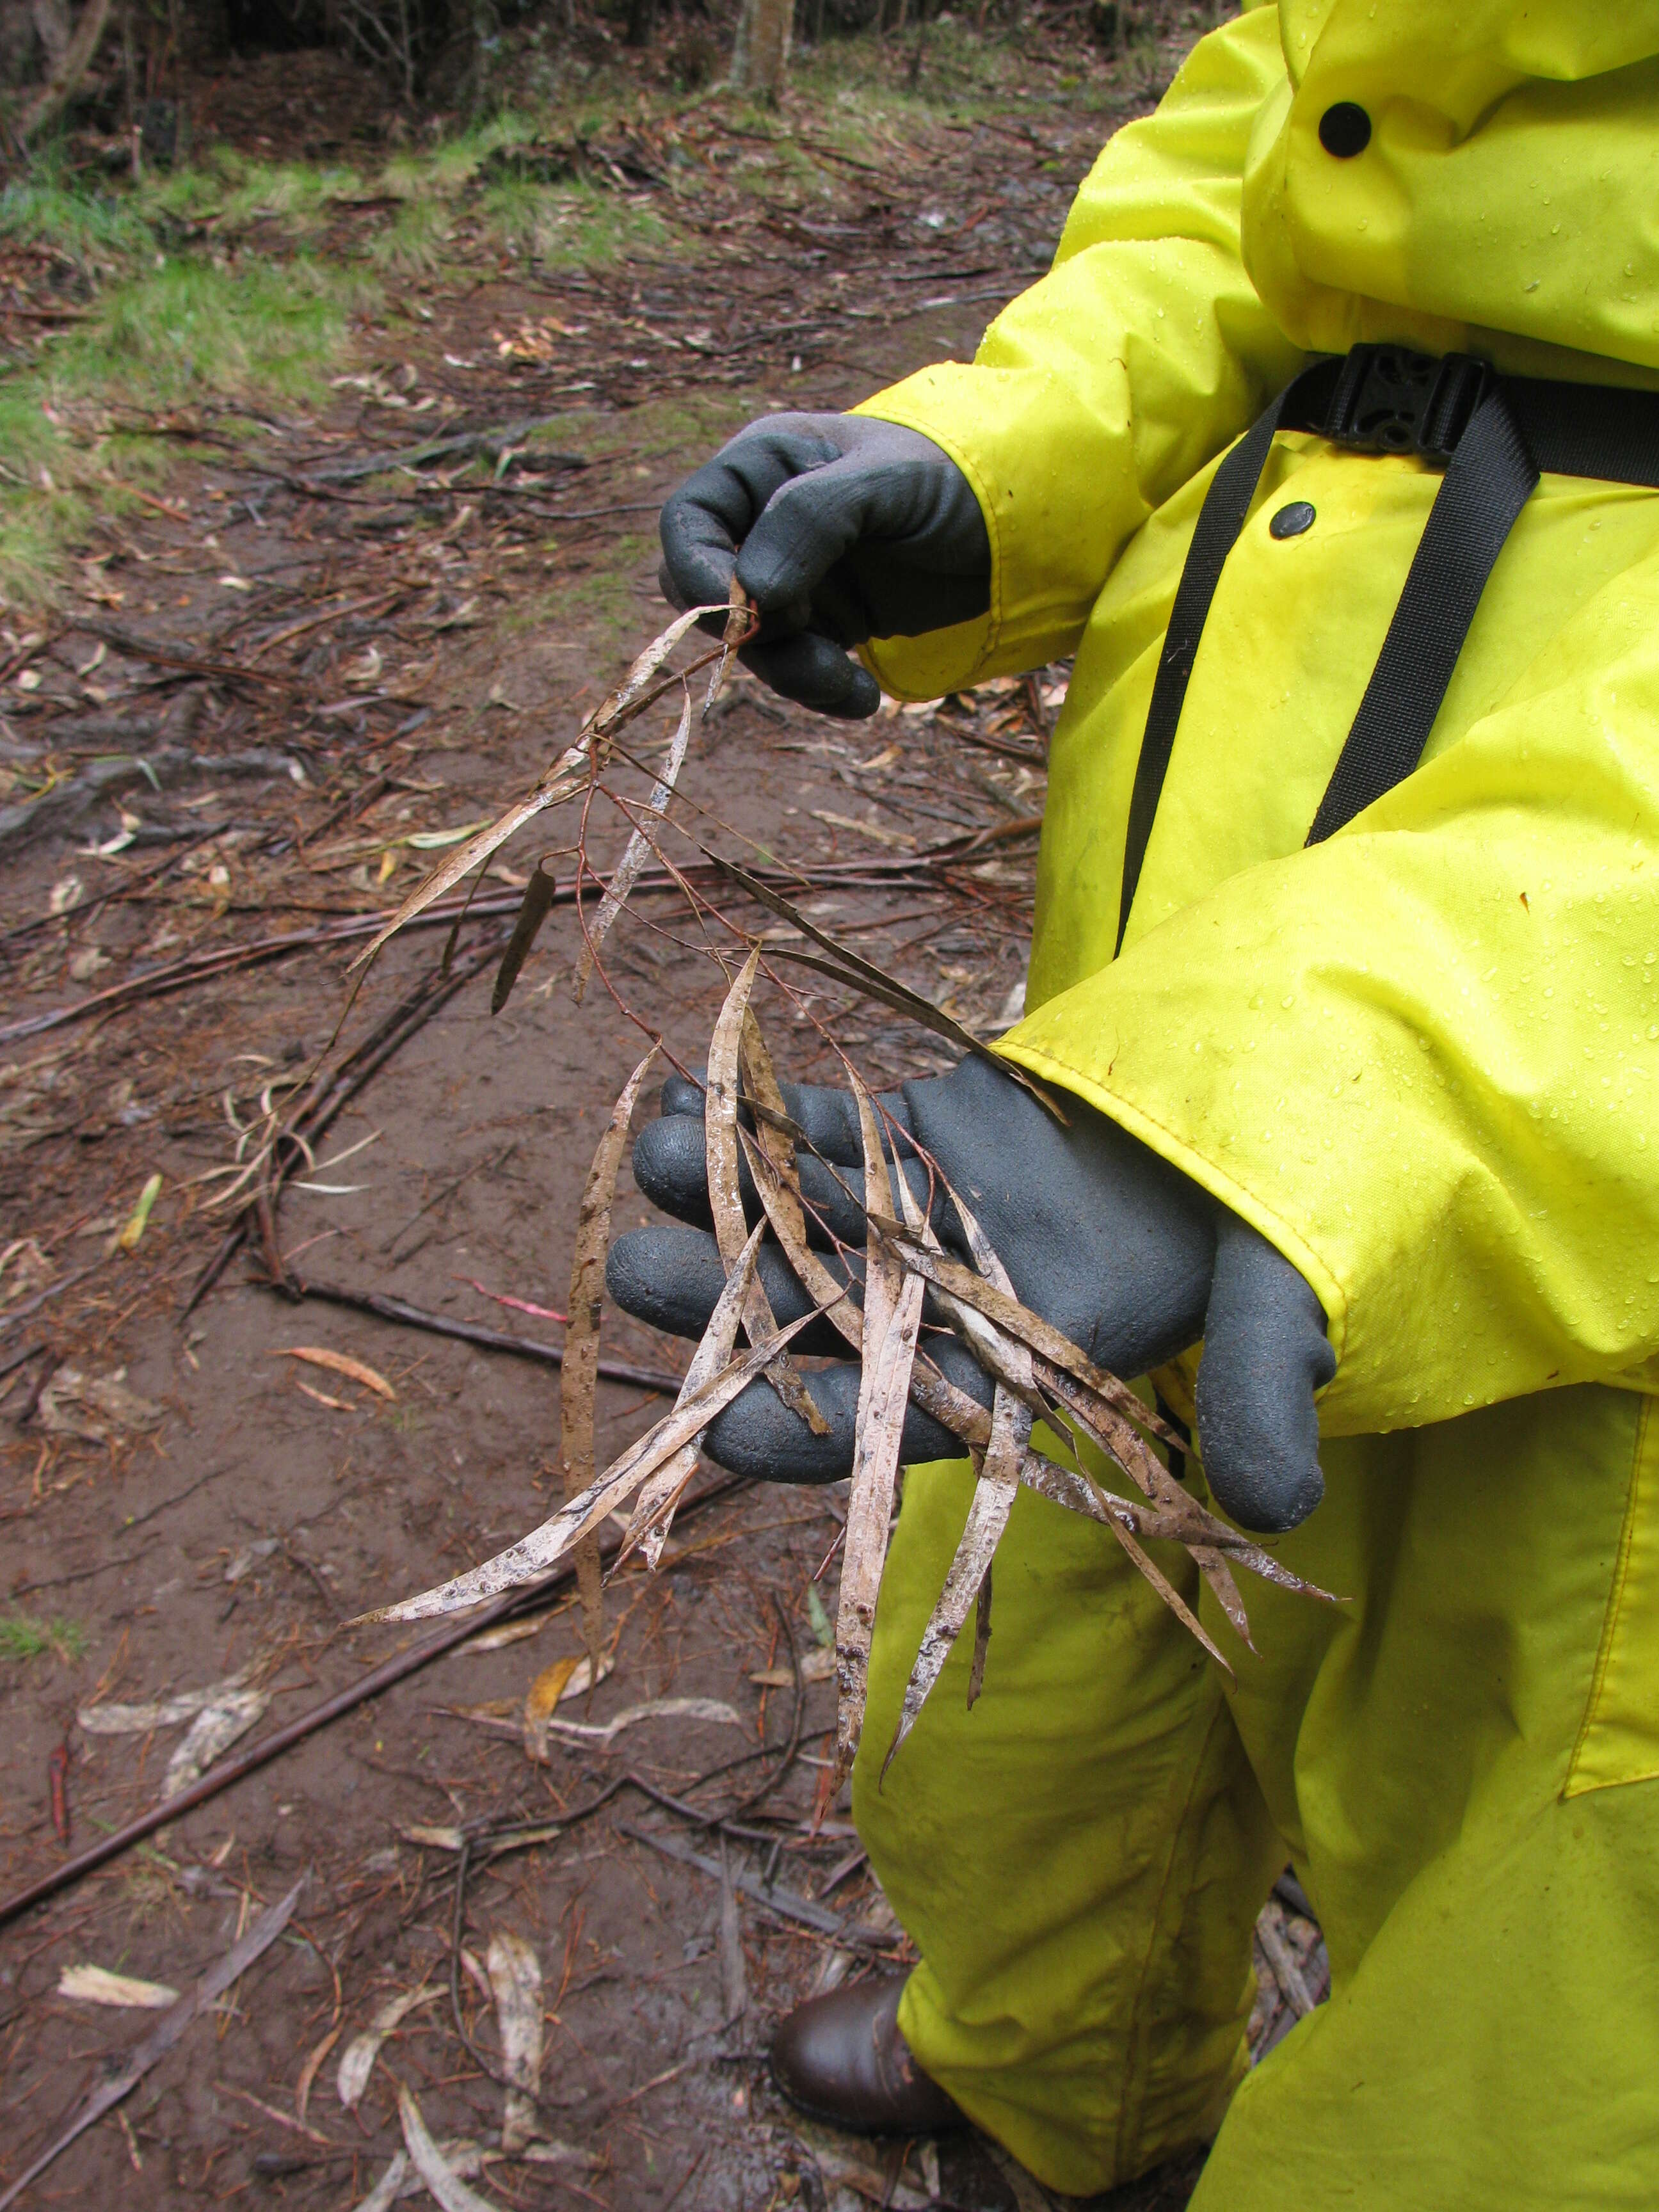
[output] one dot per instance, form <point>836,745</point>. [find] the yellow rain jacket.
<point>1423,1060</point>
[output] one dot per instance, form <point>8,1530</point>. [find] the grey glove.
<point>1131,1258</point>
<point>841,528</point>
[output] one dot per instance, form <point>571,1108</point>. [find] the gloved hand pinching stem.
<point>840,528</point>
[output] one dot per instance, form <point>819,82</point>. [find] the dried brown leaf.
<point>89,1984</point>
<point>515,1982</point>
<point>653,1509</point>
<point>892,1320</point>
<point>340,1363</point>
<point>214,1728</point>
<point>442,2181</point>
<point>579,1374</point>
<point>640,846</point>
<point>533,910</point>
<point>357,2059</point>
<point>724,1190</point>
<point>312,2067</point>
<point>857,974</point>
<point>999,1304</point>
<point>543,1695</point>
<point>950,1407</point>
<point>981,1639</point>
<point>109,2089</point>
<point>988,1517</point>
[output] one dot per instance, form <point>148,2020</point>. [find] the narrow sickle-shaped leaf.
<point>653,1509</point>
<point>951,1407</point>
<point>578,1376</point>
<point>533,910</point>
<point>640,846</point>
<point>892,1318</point>
<point>988,1515</point>
<point>725,1191</point>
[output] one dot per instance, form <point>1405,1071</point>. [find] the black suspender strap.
<point>1220,518</point>
<point>1494,434</point>
<point>1490,479</point>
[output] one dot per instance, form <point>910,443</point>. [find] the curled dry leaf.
<point>654,1709</point>
<point>892,1320</point>
<point>997,1301</point>
<point>388,2188</point>
<point>725,1191</point>
<point>537,905</point>
<point>515,1983</point>
<point>564,1679</point>
<point>856,973</point>
<point>214,1728</point>
<point>988,1521</point>
<point>968,1579</point>
<point>312,2067</point>
<point>982,1639</point>
<point>88,1985</point>
<point>159,1712</point>
<point>653,1508</point>
<point>964,1417</point>
<point>357,2059</point>
<point>428,2161</point>
<point>340,1363</point>
<point>640,848</point>
<point>578,1376</point>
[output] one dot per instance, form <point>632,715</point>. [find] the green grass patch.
<point>24,1639</point>
<point>569,226</point>
<point>163,335</point>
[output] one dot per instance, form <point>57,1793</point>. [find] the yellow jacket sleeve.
<point>1423,1058</point>
<point>1100,390</point>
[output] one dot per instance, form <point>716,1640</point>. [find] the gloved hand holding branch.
<point>1126,1256</point>
<point>840,528</point>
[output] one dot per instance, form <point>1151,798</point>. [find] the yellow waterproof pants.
<point>1460,1761</point>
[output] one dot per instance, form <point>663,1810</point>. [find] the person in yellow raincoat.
<point>1419,1057</point>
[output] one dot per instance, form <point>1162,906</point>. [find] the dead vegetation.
<point>285,649</point>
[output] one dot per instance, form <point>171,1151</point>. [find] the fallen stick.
<point>785,1904</point>
<point>439,449</point>
<point>212,1985</point>
<point>383,1677</point>
<point>466,1332</point>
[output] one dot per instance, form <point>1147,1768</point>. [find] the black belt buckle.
<point>1390,400</point>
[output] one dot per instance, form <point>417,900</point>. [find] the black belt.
<point>1495,435</point>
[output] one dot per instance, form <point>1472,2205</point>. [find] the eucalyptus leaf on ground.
<point>357,2059</point>
<point>515,1982</point>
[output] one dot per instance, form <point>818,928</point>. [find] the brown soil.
<point>433,637</point>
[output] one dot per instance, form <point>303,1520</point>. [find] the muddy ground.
<point>327,664</point>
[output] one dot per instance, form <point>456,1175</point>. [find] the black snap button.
<point>1290,521</point>
<point>1345,129</point>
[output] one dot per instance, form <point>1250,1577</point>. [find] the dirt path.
<point>320,663</point>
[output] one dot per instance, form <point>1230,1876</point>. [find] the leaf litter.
<point>1035,1372</point>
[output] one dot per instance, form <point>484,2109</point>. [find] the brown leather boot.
<point>842,2059</point>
